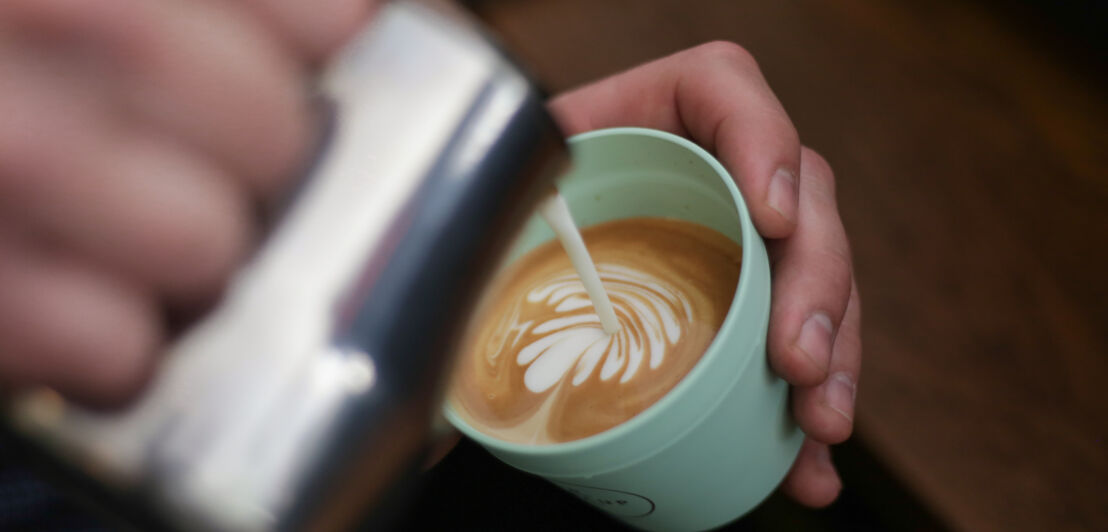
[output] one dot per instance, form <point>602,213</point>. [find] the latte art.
<point>572,339</point>
<point>539,367</point>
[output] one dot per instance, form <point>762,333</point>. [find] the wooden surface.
<point>972,162</point>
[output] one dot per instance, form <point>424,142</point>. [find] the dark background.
<point>970,143</point>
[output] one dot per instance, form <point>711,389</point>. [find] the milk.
<point>555,211</point>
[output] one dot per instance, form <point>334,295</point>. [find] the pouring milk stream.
<point>555,211</point>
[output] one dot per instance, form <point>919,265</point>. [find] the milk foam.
<point>649,313</point>
<point>539,366</point>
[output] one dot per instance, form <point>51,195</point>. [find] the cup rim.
<point>589,443</point>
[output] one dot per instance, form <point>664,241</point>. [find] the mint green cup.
<point>722,439</point>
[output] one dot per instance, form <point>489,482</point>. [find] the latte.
<point>538,367</point>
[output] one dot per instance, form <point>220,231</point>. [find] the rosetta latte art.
<point>539,367</point>
<point>649,313</point>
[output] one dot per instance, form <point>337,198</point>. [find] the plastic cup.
<point>722,439</point>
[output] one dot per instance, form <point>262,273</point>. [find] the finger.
<point>716,94</point>
<point>201,71</point>
<point>826,412</point>
<point>70,327</point>
<point>128,202</point>
<point>813,481</point>
<point>812,280</point>
<point>314,30</point>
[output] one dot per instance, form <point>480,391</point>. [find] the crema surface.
<point>538,367</point>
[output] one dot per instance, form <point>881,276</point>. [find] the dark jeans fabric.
<point>27,503</point>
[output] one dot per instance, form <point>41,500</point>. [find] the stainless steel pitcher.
<point>306,396</point>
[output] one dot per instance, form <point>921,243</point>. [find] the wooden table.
<point>972,162</point>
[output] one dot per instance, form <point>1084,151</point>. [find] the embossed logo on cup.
<point>616,502</point>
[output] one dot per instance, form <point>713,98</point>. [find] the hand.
<point>716,95</point>
<point>137,140</point>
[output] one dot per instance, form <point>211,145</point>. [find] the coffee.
<point>538,367</point>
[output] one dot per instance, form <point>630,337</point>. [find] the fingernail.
<point>782,195</point>
<point>815,339</point>
<point>839,395</point>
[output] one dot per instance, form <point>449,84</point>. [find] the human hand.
<point>138,139</point>
<point>716,95</point>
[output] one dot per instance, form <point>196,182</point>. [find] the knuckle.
<point>126,362</point>
<point>793,366</point>
<point>818,421</point>
<point>281,147</point>
<point>182,230</point>
<point>69,326</point>
<point>203,256</point>
<point>817,167</point>
<point>95,24</point>
<point>837,266</point>
<point>36,13</point>
<point>855,305</point>
<point>825,283</point>
<point>314,31</point>
<point>334,30</point>
<point>193,248</point>
<point>727,52</point>
<point>789,138</point>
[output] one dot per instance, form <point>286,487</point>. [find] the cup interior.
<point>630,172</point>
<point>625,173</point>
